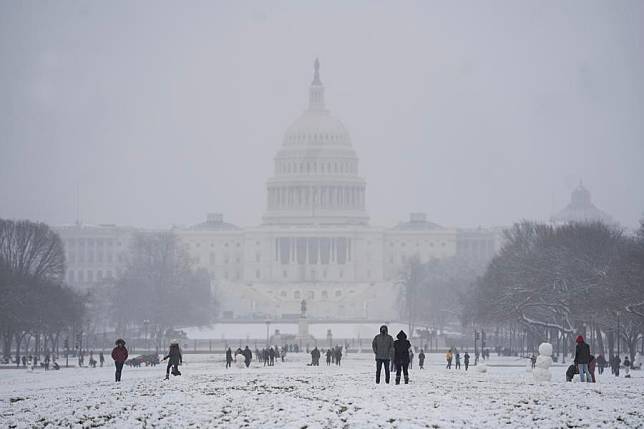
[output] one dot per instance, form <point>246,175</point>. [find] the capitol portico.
<point>315,241</point>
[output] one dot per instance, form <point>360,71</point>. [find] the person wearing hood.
<point>421,358</point>
<point>248,356</point>
<point>229,357</point>
<point>174,359</point>
<point>401,356</point>
<point>582,359</point>
<point>119,354</point>
<point>383,348</point>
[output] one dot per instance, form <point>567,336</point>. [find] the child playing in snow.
<point>175,359</point>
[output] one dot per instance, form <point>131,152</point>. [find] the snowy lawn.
<point>293,395</point>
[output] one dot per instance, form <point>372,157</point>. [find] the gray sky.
<point>479,113</point>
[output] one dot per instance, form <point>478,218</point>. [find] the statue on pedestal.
<point>303,309</point>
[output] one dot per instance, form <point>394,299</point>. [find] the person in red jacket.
<point>119,354</point>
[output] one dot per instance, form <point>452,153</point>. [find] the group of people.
<point>389,353</point>
<point>33,361</point>
<point>585,363</point>
<point>386,351</point>
<point>267,356</point>
<point>456,356</point>
<point>334,355</point>
<point>174,358</point>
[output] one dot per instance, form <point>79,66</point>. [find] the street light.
<point>146,323</point>
<point>617,333</point>
<point>268,324</point>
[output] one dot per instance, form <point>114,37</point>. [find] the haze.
<point>478,113</point>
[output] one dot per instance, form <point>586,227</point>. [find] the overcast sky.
<point>478,113</point>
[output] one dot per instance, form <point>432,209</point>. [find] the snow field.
<point>293,395</point>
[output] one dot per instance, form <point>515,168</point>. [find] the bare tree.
<point>35,301</point>
<point>160,287</point>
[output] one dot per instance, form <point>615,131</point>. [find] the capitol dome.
<point>581,209</point>
<point>316,170</point>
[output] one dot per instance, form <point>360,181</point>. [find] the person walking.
<point>338,355</point>
<point>229,357</point>
<point>101,358</point>
<point>466,360</point>
<point>458,360</point>
<point>119,355</point>
<point>383,348</point>
<point>411,357</point>
<point>315,356</point>
<point>592,363</point>
<point>533,360</point>
<point>402,356</point>
<point>448,357</point>
<point>616,363</point>
<point>248,356</point>
<point>174,359</point>
<point>601,363</point>
<point>328,357</point>
<point>582,359</point>
<point>421,359</point>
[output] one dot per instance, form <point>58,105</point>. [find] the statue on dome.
<point>316,76</point>
<point>303,308</point>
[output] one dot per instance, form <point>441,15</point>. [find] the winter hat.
<point>383,329</point>
<point>120,341</point>
<point>580,339</point>
<point>401,335</point>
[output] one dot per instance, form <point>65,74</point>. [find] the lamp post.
<point>268,324</point>
<point>618,333</point>
<point>146,323</point>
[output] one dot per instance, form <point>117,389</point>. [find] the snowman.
<point>239,360</point>
<point>541,371</point>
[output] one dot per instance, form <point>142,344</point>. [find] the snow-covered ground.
<point>293,395</point>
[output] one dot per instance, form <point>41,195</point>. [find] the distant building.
<point>93,253</point>
<point>315,242</point>
<point>581,209</point>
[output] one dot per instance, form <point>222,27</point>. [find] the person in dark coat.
<point>466,360</point>
<point>458,360</point>
<point>601,363</point>
<point>229,358</point>
<point>383,349</point>
<point>570,372</point>
<point>401,356</point>
<point>328,357</point>
<point>616,363</point>
<point>271,356</point>
<point>101,359</point>
<point>248,356</point>
<point>315,356</point>
<point>421,359</point>
<point>174,359</point>
<point>119,354</point>
<point>338,355</point>
<point>582,359</point>
<point>592,363</point>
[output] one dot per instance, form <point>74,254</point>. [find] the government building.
<point>315,242</point>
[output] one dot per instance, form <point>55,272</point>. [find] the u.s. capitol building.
<point>315,242</point>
